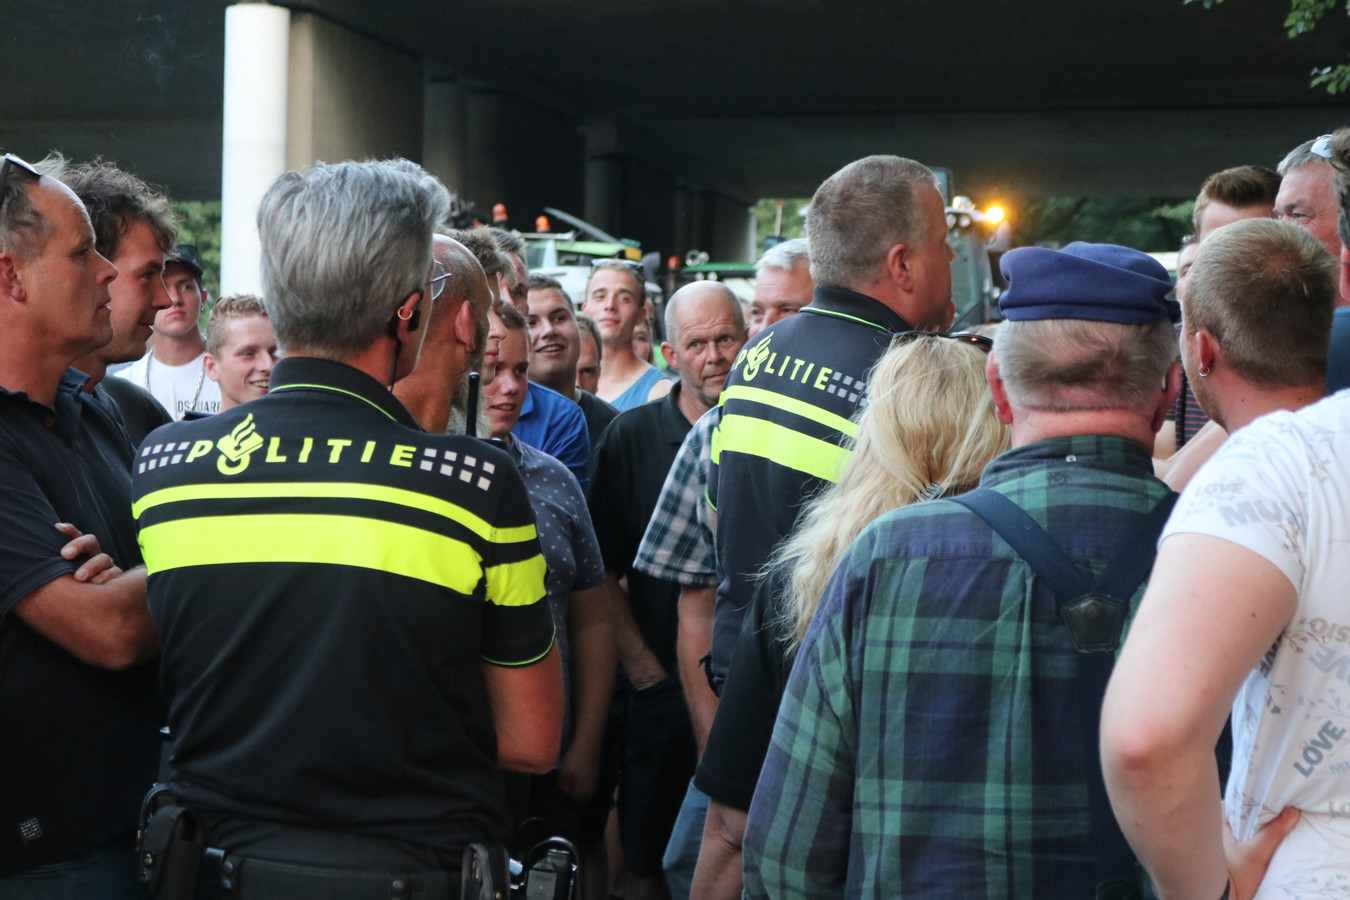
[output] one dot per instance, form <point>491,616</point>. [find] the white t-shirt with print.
<point>175,387</point>
<point>1281,488</point>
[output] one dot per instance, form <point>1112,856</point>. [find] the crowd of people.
<point>415,560</point>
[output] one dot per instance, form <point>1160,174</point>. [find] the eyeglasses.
<point>1321,147</point>
<point>13,161</point>
<point>438,279</point>
<point>978,341</point>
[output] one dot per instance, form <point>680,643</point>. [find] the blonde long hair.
<point>929,429</point>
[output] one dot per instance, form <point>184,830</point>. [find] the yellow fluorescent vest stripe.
<point>334,540</point>
<point>793,405</point>
<point>517,584</point>
<point>353,490</point>
<point>756,437</point>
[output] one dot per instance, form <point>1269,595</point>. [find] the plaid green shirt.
<point>928,743</point>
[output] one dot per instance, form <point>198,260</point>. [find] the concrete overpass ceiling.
<point>765,96</point>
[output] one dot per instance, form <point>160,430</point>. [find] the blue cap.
<point>1097,282</point>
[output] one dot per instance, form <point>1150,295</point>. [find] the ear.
<point>1207,349</point>
<point>463,324</point>
<point>1002,408</point>
<point>406,319</point>
<point>668,352</point>
<point>11,281</point>
<point>1345,276</point>
<point>898,267</point>
<point>211,367</point>
<point>1171,388</point>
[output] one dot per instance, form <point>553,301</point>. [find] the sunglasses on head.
<point>979,341</point>
<point>610,263</point>
<point>13,162</point>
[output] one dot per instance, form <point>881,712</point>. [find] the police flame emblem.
<point>237,446</point>
<point>755,357</point>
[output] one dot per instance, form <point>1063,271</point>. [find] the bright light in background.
<point>994,215</point>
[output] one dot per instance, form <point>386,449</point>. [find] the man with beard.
<point>456,336</point>
<point>706,329</point>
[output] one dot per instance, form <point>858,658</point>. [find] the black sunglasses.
<point>12,161</point>
<point>979,341</point>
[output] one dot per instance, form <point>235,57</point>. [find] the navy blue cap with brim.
<point>1096,282</point>
<point>185,255</point>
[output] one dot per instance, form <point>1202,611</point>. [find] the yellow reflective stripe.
<point>517,583</point>
<point>342,490</point>
<point>791,404</point>
<point>334,540</point>
<point>756,437</point>
<point>524,662</point>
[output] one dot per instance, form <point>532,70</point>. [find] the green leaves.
<point>1303,17</point>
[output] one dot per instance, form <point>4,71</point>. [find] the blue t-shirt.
<point>554,424</point>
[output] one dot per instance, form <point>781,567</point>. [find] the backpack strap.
<point>1094,614</point>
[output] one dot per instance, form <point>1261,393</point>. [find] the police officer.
<point>353,642</point>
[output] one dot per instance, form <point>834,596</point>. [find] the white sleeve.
<point>1253,493</point>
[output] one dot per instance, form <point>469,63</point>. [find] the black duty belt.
<point>229,877</point>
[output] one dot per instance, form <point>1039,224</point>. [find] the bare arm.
<point>1169,696</point>
<point>1182,467</point>
<point>642,666</point>
<point>695,642</point>
<point>527,711</point>
<point>591,641</point>
<point>718,876</point>
<point>106,625</point>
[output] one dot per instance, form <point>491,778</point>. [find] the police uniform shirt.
<point>328,581</point>
<point>787,405</point>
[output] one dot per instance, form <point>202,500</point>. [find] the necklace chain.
<point>201,376</point>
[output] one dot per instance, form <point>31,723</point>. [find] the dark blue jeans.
<point>107,872</point>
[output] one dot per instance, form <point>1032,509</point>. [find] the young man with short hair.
<point>241,349</point>
<point>175,368</point>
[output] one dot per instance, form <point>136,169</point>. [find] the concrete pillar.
<point>350,97</point>
<point>445,132</point>
<point>732,229</point>
<point>484,169</point>
<point>604,176</point>
<point>254,146</point>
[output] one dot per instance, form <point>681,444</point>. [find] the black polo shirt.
<point>141,413</point>
<point>328,580</point>
<point>598,415</point>
<point>787,405</point>
<point>631,462</point>
<point>79,745</point>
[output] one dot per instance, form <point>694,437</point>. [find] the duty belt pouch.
<point>169,852</point>
<point>1094,615</point>
<point>485,873</point>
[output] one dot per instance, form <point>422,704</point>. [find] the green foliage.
<point>1303,17</point>
<point>1147,224</point>
<point>199,223</point>
<point>766,213</point>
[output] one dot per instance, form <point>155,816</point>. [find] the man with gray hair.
<point>937,736</point>
<point>678,547</point>
<point>81,713</point>
<point>1307,194</point>
<point>391,652</point>
<point>705,328</point>
<point>783,284</point>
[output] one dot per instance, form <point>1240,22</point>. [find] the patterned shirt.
<point>927,743</point>
<point>678,543</point>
